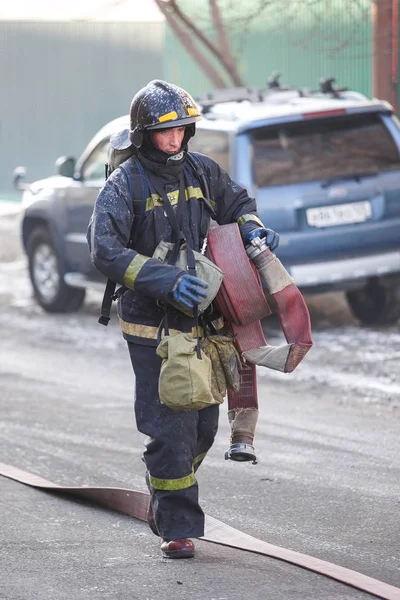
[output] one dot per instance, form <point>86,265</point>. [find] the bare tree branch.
<point>224,45</point>
<point>202,38</point>
<point>187,42</point>
<point>244,23</point>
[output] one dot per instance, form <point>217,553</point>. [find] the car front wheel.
<point>376,303</point>
<point>47,275</point>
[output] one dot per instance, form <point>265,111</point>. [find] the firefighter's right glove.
<point>270,236</point>
<point>190,291</point>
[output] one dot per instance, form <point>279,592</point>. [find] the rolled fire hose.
<point>135,504</point>
<point>241,300</point>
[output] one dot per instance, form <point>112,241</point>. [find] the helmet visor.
<point>172,120</point>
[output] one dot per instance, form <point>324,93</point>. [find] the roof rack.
<point>237,94</point>
<point>274,87</point>
<point>326,87</point>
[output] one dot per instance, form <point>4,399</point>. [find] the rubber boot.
<point>178,548</point>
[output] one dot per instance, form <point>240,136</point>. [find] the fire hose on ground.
<point>135,504</point>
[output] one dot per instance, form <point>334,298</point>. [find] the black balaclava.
<point>162,164</point>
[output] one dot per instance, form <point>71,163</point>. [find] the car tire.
<point>46,272</point>
<point>376,304</point>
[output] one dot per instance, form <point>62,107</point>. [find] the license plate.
<point>340,214</point>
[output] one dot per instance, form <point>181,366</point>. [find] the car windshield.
<point>322,149</point>
<point>94,167</point>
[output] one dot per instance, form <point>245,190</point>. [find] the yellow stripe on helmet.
<point>193,112</point>
<point>168,117</point>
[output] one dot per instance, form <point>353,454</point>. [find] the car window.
<point>322,149</point>
<point>212,143</point>
<point>94,166</point>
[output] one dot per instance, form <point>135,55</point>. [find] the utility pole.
<point>385,19</point>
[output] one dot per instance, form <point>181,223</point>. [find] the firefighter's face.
<point>168,140</point>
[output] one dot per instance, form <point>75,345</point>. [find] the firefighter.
<point>162,120</point>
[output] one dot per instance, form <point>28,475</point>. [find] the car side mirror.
<point>65,166</point>
<point>18,177</point>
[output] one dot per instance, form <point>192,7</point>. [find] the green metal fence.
<point>302,39</point>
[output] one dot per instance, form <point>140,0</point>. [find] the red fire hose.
<point>135,504</point>
<point>241,301</point>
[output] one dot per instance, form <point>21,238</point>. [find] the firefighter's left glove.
<point>190,291</point>
<point>270,236</point>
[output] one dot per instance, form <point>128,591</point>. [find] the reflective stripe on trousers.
<point>177,484</point>
<point>176,445</point>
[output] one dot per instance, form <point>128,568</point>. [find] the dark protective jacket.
<point>122,243</point>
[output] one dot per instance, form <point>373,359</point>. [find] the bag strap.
<point>196,164</point>
<point>108,297</point>
<point>175,222</point>
<point>136,180</point>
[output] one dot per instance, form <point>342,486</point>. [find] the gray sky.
<point>135,10</point>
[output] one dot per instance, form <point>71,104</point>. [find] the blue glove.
<point>190,291</point>
<point>271,237</point>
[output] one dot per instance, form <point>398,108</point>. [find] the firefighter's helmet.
<point>160,105</point>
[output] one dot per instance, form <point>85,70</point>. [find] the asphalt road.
<point>327,482</point>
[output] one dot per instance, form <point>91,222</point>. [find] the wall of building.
<point>61,81</point>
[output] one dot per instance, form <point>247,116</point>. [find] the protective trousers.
<point>178,441</point>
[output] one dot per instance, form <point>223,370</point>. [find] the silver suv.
<point>324,167</point>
